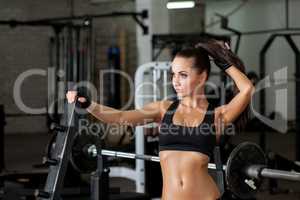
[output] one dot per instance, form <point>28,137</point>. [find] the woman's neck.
<point>194,101</point>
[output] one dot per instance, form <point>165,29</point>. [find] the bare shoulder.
<point>164,105</point>
<point>159,106</point>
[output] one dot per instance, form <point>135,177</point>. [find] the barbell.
<point>245,168</point>
<point>244,171</point>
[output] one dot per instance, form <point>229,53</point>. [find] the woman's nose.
<point>175,81</point>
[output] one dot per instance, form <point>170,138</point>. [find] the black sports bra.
<point>177,137</point>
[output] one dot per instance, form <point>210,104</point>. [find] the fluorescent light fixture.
<point>180,4</point>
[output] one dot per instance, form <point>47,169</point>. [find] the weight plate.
<point>245,154</point>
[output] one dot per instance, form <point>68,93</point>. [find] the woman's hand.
<point>71,96</point>
<point>220,52</point>
<point>81,100</point>
<point>219,121</point>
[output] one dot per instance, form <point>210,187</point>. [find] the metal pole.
<point>252,171</point>
<point>297,74</point>
<point>118,154</point>
<point>297,92</point>
<point>2,150</point>
<point>262,96</point>
<point>287,14</point>
<point>279,174</point>
<point>261,171</point>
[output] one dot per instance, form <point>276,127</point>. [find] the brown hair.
<point>202,62</point>
<point>243,118</point>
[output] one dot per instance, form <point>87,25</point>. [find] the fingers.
<point>219,123</point>
<point>82,99</point>
<point>71,96</point>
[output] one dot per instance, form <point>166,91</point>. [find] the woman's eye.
<point>183,75</point>
<point>172,75</point>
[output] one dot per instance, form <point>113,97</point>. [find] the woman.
<point>190,126</point>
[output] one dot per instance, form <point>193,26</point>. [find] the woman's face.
<point>186,80</point>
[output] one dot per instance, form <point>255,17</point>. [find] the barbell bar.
<point>250,171</point>
<point>92,151</point>
<point>244,170</point>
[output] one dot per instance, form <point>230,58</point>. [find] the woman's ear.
<point>203,77</point>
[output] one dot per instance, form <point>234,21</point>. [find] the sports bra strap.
<point>170,112</point>
<point>172,109</point>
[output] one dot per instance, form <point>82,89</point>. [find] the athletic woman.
<point>190,127</point>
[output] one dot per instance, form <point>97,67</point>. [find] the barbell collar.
<point>254,171</point>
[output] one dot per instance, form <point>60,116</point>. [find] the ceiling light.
<point>180,4</point>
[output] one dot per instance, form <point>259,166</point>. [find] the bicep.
<point>148,114</point>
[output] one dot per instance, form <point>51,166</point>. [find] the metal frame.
<point>2,149</point>
<point>263,53</point>
<point>138,174</point>
<point>138,17</point>
<point>139,131</point>
<point>162,41</point>
<point>266,31</point>
<point>61,156</point>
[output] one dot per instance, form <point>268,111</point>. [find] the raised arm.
<point>240,101</point>
<point>149,113</point>
<point>227,61</point>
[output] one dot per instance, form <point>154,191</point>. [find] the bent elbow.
<point>249,90</point>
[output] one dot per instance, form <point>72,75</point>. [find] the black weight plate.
<point>245,154</point>
<point>80,160</point>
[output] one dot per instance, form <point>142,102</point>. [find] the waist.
<point>182,162</point>
<point>183,171</point>
<point>204,150</point>
<point>187,167</point>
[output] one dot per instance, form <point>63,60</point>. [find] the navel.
<point>181,183</point>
